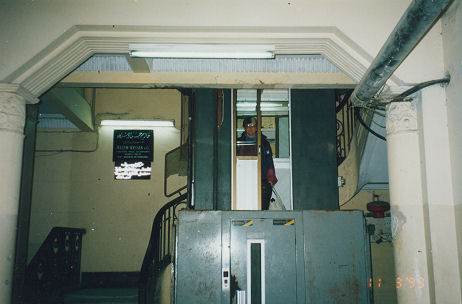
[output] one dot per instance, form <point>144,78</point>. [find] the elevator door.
<point>263,260</point>
<point>261,124</point>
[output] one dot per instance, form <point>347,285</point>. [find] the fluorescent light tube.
<point>202,51</point>
<point>138,123</point>
<point>262,104</point>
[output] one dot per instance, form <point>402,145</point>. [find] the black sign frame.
<point>133,145</point>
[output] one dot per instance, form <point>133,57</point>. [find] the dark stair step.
<point>102,295</point>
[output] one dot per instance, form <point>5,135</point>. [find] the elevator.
<point>272,257</point>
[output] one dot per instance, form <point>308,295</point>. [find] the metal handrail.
<point>159,252</point>
<point>345,126</point>
<point>55,268</point>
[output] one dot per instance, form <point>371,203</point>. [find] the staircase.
<point>102,295</point>
<point>55,268</point>
<point>159,252</point>
<point>53,276</point>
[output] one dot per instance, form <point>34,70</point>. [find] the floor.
<point>102,295</point>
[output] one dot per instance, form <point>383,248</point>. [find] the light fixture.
<point>262,104</point>
<point>264,107</point>
<point>139,123</point>
<point>212,51</point>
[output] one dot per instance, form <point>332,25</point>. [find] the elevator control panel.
<point>225,278</point>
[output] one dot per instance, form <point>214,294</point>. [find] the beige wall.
<point>29,28</point>
<point>78,189</point>
<point>383,265</point>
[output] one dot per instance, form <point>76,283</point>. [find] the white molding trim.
<point>401,118</point>
<point>18,90</point>
<point>80,42</point>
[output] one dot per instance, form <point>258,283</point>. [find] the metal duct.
<point>413,25</point>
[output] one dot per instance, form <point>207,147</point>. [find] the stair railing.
<point>55,268</point>
<point>346,123</point>
<point>159,252</point>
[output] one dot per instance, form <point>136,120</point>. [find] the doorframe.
<point>234,156</point>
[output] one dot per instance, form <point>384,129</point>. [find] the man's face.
<point>251,129</point>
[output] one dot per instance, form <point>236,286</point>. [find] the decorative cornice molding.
<point>401,117</point>
<point>80,42</point>
<point>12,112</point>
<point>18,90</point>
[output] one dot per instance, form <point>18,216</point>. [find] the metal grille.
<point>55,121</point>
<point>281,64</point>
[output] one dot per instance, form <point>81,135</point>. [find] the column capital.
<point>401,117</point>
<point>19,90</point>
<point>12,112</point>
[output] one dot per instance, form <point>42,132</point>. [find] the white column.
<point>410,242</point>
<point>440,195</point>
<point>12,120</point>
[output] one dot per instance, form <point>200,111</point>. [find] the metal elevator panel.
<point>337,257</point>
<point>277,238</point>
<point>272,257</point>
<point>198,257</point>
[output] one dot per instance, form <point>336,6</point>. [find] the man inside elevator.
<point>268,174</point>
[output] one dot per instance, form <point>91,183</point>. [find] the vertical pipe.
<point>191,126</point>
<point>259,92</point>
<point>352,122</point>
<point>218,116</point>
<point>234,100</point>
<point>344,134</point>
<point>349,128</point>
<point>169,230</point>
<point>159,249</point>
<point>164,238</point>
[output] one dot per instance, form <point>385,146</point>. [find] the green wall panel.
<point>212,152</point>
<point>204,149</point>
<point>224,156</point>
<point>314,153</point>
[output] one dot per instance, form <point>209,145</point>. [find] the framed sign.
<point>133,154</point>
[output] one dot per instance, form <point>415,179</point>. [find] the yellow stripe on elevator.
<point>243,223</point>
<point>283,222</point>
